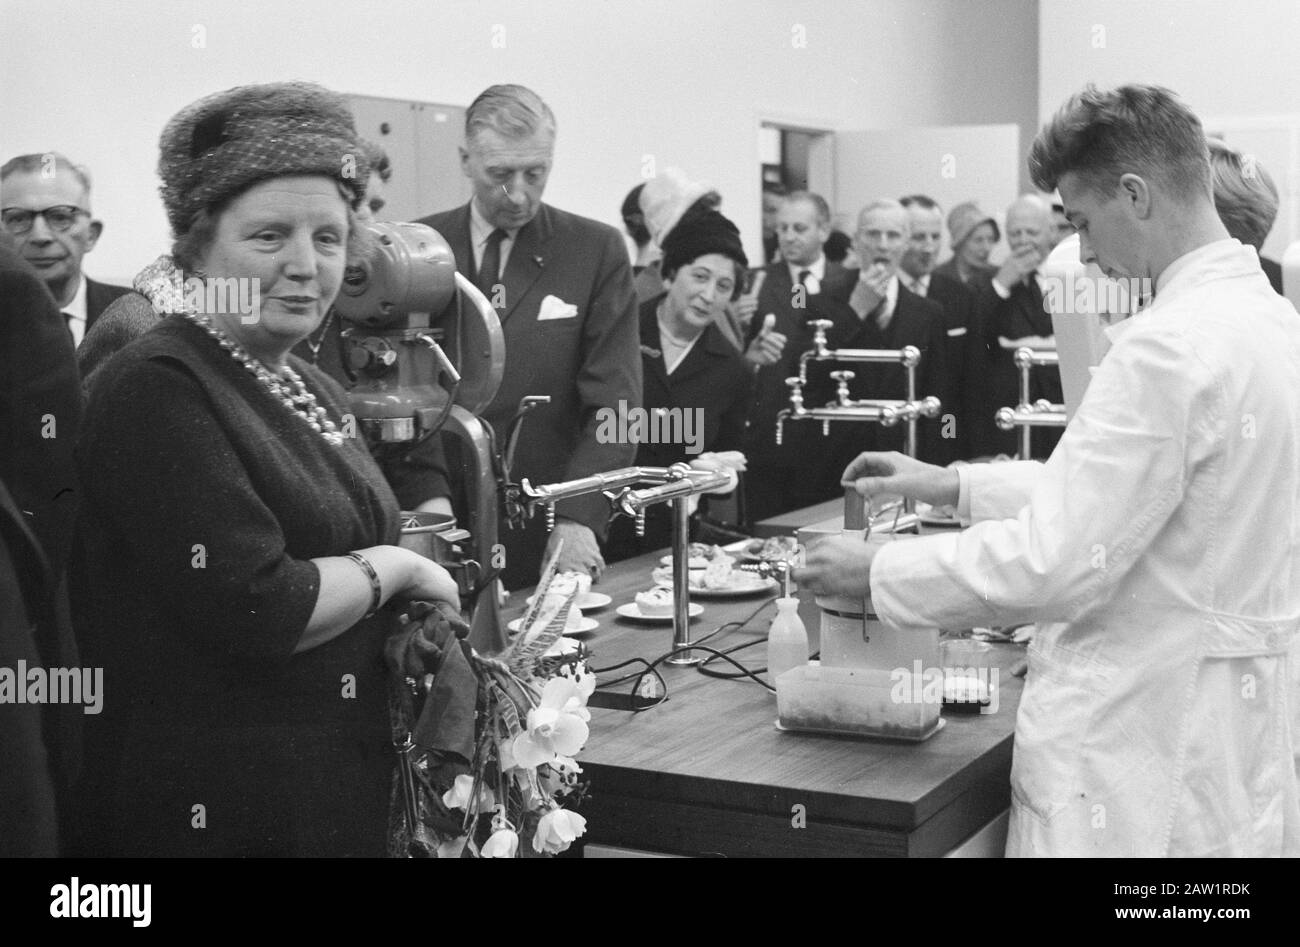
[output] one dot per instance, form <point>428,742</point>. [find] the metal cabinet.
<point>422,140</point>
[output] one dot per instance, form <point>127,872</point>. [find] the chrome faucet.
<point>675,485</point>
<point>1026,416</point>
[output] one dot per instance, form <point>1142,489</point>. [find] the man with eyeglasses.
<point>45,207</point>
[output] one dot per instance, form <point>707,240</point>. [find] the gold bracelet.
<point>376,590</point>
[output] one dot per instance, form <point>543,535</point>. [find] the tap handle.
<point>550,517</point>
<point>640,523</point>
<point>842,392</point>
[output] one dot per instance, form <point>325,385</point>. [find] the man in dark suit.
<point>40,411</point>
<point>883,314</point>
<point>45,203</point>
<point>563,290</point>
<point>1011,312</point>
<point>916,271</point>
<point>795,291</point>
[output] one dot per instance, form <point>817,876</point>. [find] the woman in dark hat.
<point>973,235</point>
<point>240,543</point>
<point>696,383</point>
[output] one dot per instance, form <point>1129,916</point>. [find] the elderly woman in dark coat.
<point>240,545</point>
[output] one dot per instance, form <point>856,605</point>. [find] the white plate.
<point>738,591</point>
<point>586,603</point>
<point>695,562</point>
<point>734,590</point>
<point>584,626</point>
<point>630,610</point>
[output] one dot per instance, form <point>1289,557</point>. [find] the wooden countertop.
<point>706,771</point>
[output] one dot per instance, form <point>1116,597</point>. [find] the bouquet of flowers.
<point>487,745</point>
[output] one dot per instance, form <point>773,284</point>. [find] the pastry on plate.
<point>656,603</point>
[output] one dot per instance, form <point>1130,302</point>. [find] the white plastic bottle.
<point>787,640</point>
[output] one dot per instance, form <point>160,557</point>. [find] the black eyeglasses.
<point>18,220</point>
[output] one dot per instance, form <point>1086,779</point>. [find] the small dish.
<point>586,603</point>
<point>584,626</point>
<point>741,585</point>
<point>631,610</point>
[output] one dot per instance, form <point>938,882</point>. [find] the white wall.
<point>1234,57</point>
<point>680,81</point>
<point>1235,62</point>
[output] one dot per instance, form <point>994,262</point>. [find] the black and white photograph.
<point>614,429</point>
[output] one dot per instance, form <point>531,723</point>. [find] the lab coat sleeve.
<point>1151,414</point>
<point>999,491</point>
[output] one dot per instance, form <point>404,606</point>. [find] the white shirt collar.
<point>816,269</point>
<point>77,310</point>
<point>480,230</point>
<point>1183,273</point>
<point>1189,264</point>
<point>919,286</point>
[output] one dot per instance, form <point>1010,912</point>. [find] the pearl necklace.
<point>288,389</point>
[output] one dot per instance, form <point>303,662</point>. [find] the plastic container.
<point>895,705</point>
<point>787,639</point>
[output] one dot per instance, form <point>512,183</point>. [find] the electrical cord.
<point>651,667</point>
<point>715,632</point>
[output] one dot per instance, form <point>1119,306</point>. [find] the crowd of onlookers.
<point>890,284</point>
<point>221,546</point>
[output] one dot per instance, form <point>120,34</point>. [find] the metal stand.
<point>1026,416</point>
<point>681,583</point>
<point>673,484</point>
<point>885,412</point>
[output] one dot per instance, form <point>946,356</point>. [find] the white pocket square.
<point>555,308</point>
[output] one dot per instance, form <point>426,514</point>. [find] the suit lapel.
<point>837,284</point>
<point>652,358</point>
<point>528,259</point>
<point>898,332</point>
<point>456,233</point>
<point>95,302</point>
<point>708,351</point>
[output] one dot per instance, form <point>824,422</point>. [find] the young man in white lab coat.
<point>1158,547</point>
